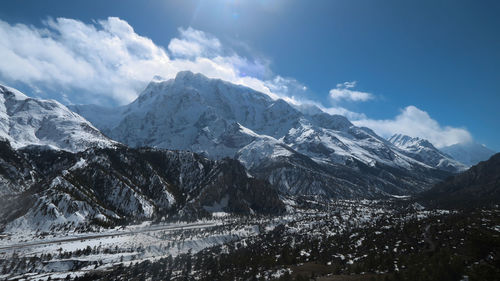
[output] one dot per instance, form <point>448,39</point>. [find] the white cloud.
<point>107,58</point>
<point>194,43</point>
<point>108,61</point>
<point>415,122</point>
<point>351,115</point>
<point>287,87</point>
<point>347,84</point>
<point>343,92</point>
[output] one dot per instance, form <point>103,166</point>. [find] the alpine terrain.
<point>425,152</point>
<point>298,153</point>
<point>26,121</point>
<point>238,140</point>
<point>201,179</point>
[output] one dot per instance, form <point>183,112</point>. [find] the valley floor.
<point>340,240</point>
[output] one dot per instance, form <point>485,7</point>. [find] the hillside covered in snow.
<point>26,121</point>
<point>425,152</point>
<point>300,153</point>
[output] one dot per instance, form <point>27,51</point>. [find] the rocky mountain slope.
<point>28,121</point>
<point>111,186</point>
<point>299,153</point>
<point>425,152</point>
<point>478,186</point>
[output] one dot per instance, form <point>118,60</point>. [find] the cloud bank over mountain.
<point>107,62</point>
<point>109,59</point>
<point>415,122</point>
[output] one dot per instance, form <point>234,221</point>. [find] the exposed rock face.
<point>478,186</point>
<point>109,186</point>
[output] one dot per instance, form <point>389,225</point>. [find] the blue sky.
<point>426,68</point>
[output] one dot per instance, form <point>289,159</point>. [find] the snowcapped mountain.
<point>425,152</point>
<point>112,186</point>
<point>307,154</point>
<point>28,121</point>
<point>469,153</point>
<point>57,171</point>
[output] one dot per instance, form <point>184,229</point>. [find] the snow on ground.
<point>77,253</point>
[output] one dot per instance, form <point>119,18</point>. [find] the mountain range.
<point>188,147</point>
<point>111,186</point>
<point>301,153</point>
<point>425,152</point>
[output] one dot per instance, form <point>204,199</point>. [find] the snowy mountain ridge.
<point>219,119</point>
<point>424,151</point>
<point>26,121</point>
<point>113,186</point>
<point>90,180</point>
<point>193,112</point>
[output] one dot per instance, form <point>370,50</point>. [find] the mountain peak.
<point>426,152</point>
<point>9,93</point>
<point>183,78</point>
<point>31,121</point>
<point>187,75</point>
<point>401,140</point>
<point>270,137</point>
